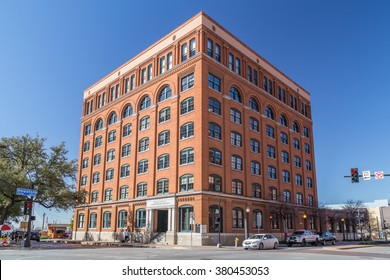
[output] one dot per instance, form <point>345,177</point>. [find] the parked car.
<point>303,237</point>
<point>35,235</point>
<point>261,241</point>
<point>327,237</point>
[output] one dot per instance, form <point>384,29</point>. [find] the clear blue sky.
<point>338,50</point>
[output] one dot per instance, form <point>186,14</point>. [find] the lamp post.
<point>247,222</point>
<point>304,221</point>
<point>343,225</point>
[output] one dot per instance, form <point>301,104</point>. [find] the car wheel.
<point>333,242</point>
<point>303,244</point>
<point>245,248</point>
<point>316,242</point>
<point>324,242</point>
<point>289,245</point>
<point>276,245</point>
<point>261,246</point>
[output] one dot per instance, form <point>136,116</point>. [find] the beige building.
<point>196,140</point>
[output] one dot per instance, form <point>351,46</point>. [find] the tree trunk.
<point>5,212</point>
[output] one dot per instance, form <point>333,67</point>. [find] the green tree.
<point>26,163</point>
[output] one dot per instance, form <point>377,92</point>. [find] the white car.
<point>260,242</point>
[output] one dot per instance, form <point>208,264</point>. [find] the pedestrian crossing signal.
<point>354,175</point>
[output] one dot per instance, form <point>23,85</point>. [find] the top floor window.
<point>192,47</point>
<point>217,52</point>
<point>238,66</point>
<point>231,62</point>
<point>184,52</point>
<point>210,47</point>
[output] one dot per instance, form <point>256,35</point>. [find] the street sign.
<point>366,175</point>
<point>26,192</point>
<point>258,220</point>
<point>379,174</point>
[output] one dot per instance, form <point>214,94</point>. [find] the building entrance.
<point>162,220</point>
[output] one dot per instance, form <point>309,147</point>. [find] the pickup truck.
<point>303,237</point>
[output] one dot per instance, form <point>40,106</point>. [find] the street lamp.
<point>343,225</point>
<point>247,222</point>
<point>304,220</point>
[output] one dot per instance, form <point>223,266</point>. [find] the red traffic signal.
<point>354,175</point>
<point>27,208</point>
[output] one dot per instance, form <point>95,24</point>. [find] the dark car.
<point>35,235</point>
<point>327,237</point>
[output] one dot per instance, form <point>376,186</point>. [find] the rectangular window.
<point>192,47</point>
<point>249,74</point>
<point>187,82</point>
<point>112,94</point>
<point>150,72</point>
<point>162,64</point>
<point>214,82</point>
<point>210,47</point>
<point>255,80</point>
<point>143,76</point>
<point>238,66</point>
<point>231,62</point>
<point>217,52</point>
<point>117,89</point>
<point>132,82</point>
<point>103,99</point>
<point>183,52</point>
<point>169,58</point>
<point>127,85</point>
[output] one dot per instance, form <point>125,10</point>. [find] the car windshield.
<point>257,236</point>
<point>298,232</point>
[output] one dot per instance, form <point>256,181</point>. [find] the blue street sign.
<point>26,192</point>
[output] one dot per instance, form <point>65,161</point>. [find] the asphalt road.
<point>58,251</point>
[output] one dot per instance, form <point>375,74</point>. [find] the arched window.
<point>299,198</point>
<point>255,167</point>
<point>163,161</point>
<point>215,218</point>
<point>124,192</point>
<point>99,125</point>
<point>94,196</point>
<point>257,219</point>
<point>125,170</point>
<point>164,115</point>
<point>186,214</point>
<point>298,179</point>
<point>287,196</point>
<point>162,186</point>
<point>238,217</point>
<point>96,178</point>
<point>214,106</point>
<point>273,192</point>
<point>128,111</point>
<point>97,159</point>
<point>253,124</point>
<point>235,95</point>
<point>269,113</point>
<point>81,219</point>
<point>283,138</point>
<point>253,104</point>
<point>122,219</point>
<point>140,218</point>
<point>237,187</point>
<point>187,105</point>
<point>254,146</point>
<point>256,190</point>
<point>165,93</point>
<point>215,183</point>
<point>236,162</point>
<point>142,189</point>
<point>107,219</point>
<point>310,200</point>
<point>283,120</point>
<point>286,176</point>
<point>215,156</point>
<point>187,130</point>
<point>295,127</point>
<point>187,182</point>
<point>112,119</point>
<point>235,116</point>
<point>187,156</point>
<point>145,103</point>
<point>143,166</point>
<point>108,195</point>
<point>92,220</point>
<point>215,131</point>
<point>271,172</point>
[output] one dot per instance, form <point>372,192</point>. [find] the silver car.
<point>260,242</point>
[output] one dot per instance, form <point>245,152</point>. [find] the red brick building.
<point>198,129</point>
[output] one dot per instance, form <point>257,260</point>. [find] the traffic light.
<point>27,208</point>
<point>354,175</point>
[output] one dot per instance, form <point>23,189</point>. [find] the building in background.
<point>197,140</point>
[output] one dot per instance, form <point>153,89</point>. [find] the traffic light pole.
<point>27,243</point>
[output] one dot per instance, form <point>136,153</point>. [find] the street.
<point>59,251</point>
